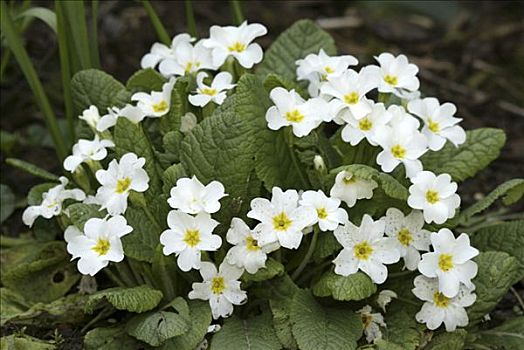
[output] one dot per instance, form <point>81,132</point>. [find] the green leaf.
<point>448,341</point>
<point>299,40</point>
<point>31,169</point>
<point>179,106</point>
<point>11,304</point>
<point>79,213</point>
<point>497,271</point>
<point>141,243</point>
<point>7,202</point>
<point>510,187</point>
<point>171,176</point>
<point>110,338</point>
<point>506,237</point>
<point>510,335</point>
<point>172,142</point>
<point>146,80</point>
<point>282,323</point>
<point>200,320</point>
<point>154,328</point>
<point>274,80</point>
<point>482,146</point>
<point>320,328</point>
<point>45,15</point>
<point>357,286</point>
<point>34,197</point>
<point>24,342</point>
<point>327,245</point>
<point>94,87</point>
<point>403,331</point>
<point>137,299</point>
<point>254,333</point>
<point>273,268</point>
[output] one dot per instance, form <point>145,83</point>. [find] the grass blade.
<point>159,27</point>
<point>190,18</point>
<point>93,35</point>
<point>238,17</point>
<point>74,12</point>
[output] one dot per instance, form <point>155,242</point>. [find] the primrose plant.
<point>297,198</point>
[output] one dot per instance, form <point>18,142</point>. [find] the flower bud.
<point>319,164</point>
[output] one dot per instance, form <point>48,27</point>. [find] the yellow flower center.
<point>122,185</point>
<point>441,300</point>
<point>349,179</point>
<point>160,106</point>
<point>281,222</point>
<point>365,124</point>
<point>433,126</point>
<point>366,320</point>
<point>322,213</point>
<point>252,244</point>
<point>445,262</point>
<point>218,285</point>
<point>294,116</point>
<point>404,237</point>
<point>432,196</point>
<point>362,250</point>
<point>328,70</point>
<point>101,247</point>
<point>351,98</point>
<point>210,92</point>
<point>391,79</point>
<point>192,237</point>
<point>398,151</point>
<point>237,47</point>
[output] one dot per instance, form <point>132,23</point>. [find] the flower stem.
<point>237,12</point>
<point>294,159</point>
<point>190,19</point>
<point>308,255</point>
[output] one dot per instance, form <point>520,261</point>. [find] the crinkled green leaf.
<point>448,341</point>
<point>24,342</point>
<point>327,245</point>
<point>254,333</point>
<point>273,268</point>
<point>31,169</point>
<point>321,328</point>
<point>7,206</point>
<point>146,80</point>
<point>171,176</point>
<point>403,331</point>
<point>357,286</point>
<point>482,146</point>
<point>79,213</point>
<point>11,304</point>
<point>274,80</point>
<point>172,142</point>
<point>179,106</point>
<point>110,338</point>
<point>299,40</point>
<point>497,271</point>
<point>510,187</point>
<point>136,299</point>
<point>282,323</point>
<point>509,335</point>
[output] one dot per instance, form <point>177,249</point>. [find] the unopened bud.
<point>319,164</point>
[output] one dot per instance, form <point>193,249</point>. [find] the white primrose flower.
<point>221,288</point>
<point>118,180</point>
<point>192,197</point>
<point>439,123</point>
<point>236,42</point>
<point>187,59</point>
<point>187,236</point>
<point>246,253</point>
<point>99,243</point>
<point>356,130</point>
<point>384,298</point>
<point>51,204</point>
<point>351,188</point>
<point>329,214</point>
<point>401,142</point>
<point>395,73</point>
<point>434,195</point>
<point>350,88</point>
<point>132,113</point>
<point>91,116</point>
<point>155,104</point>
<point>87,151</point>
<point>216,92</point>
<point>291,109</point>
<point>317,68</point>
<point>281,219</point>
<point>160,52</point>
<point>371,323</point>
<point>450,262</point>
<point>366,249</point>
<point>409,237</point>
<point>439,308</point>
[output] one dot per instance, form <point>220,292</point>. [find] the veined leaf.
<point>110,338</point>
<point>137,299</point>
<point>146,80</point>
<point>510,333</point>
<point>273,268</point>
<point>31,169</point>
<point>449,341</point>
<point>79,213</point>
<point>357,286</point>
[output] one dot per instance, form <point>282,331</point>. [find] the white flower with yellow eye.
<point>236,42</point>
<point>160,52</point>
<point>395,73</point>
<point>291,109</point>
<point>351,188</point>
<point>51,204</point>
<point>192,197</point>
<point>188,59</point>
<point>155,104</point>
<point>409,237</point>
<point>317,68</point>
<point>85,151</point>
<point>247,253</point>
<point>434,195</point>
<point>91,116</point>
<point>366,249</point>
<point>216,92</point>
<point>356,130</point>
<point>371,322</point>
<point>99,243</point>
<point>439,123</point>
<point>439,308</point>
<point>187,236</point>
<point>450,262</point>
<point>221,288</point>
<point>281,219</point>
<point>118,180</point>
<point>329,214</point>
